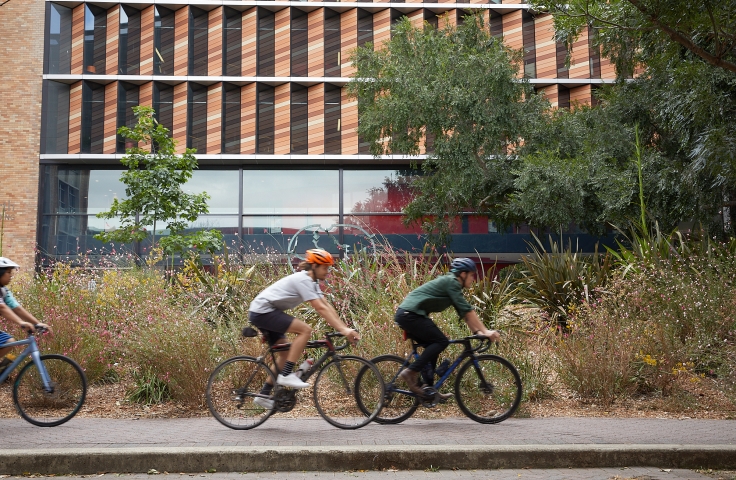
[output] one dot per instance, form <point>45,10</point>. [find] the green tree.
<point>153,187</point>
<point>457,92</point>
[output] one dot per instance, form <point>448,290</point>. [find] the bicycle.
<point>487,387</point>
<point>236,382</point>
<point>50,389</point>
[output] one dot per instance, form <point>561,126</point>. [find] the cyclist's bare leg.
<point>303,333</point>
<point>3,351</point>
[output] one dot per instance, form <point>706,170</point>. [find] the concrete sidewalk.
<point>86,445</point>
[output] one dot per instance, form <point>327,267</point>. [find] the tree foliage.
<point>153,189</point>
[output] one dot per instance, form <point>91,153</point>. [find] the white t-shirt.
<point>286,293</point>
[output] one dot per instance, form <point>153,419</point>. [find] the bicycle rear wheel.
<point>49,408</point>
<point>348,392</point>
<point>397,407</point>
<point>488,389</point>
<point>232,389</point>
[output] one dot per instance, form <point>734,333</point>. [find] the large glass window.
<point>222,187</point>
<point>496,25</point>
<point>265,119</point>
<point>333,127</point>
<point>93,117</point>
<point>56,118</point>
<point>299,119</point>
<point>60,39</point>
<point>198,29</point>
<point>332,43</point>
<point>129,45</point>
<point>232,42</point>
<point>365,27</point>
<point>163,41</point>
<point>377,191</point>
<point>291,191</point>
<point>79,191</point>
<point>530,46</point>
<point>197,117</point>
<point>163,104</point>
<point>266,43</point>
<point>299,43</point>
<point>95,39</point>
<point>127,99</point>
<point>230,118</point>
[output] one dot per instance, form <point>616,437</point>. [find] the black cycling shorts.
<point>273,325</point>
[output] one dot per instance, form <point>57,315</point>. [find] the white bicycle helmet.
<point>8,263</point>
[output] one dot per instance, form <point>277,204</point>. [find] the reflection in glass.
<point>95,39</point>
<point>230,118</point>
<point>368,191</point>
<point>129,46</point>
<point>220,185</point>
<point>286,225</point>
<point>56,117</point>
<point>93,117</point>
<point>299,119</point>
<point>291,191</point>
<point>198,29</point>
<point>197,117</point>
<point>60,39</point>
<point>299,43</point>
<point>232,40</point>
<point>163,41</point>
<point>127,99</point>
<point>79,191</point>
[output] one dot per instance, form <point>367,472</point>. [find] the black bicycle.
<point>487,387</point>
<point>236,383</point>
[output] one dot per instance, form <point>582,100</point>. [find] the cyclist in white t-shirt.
<point>266,312</point>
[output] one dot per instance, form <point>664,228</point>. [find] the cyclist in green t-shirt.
<point>436,296</point>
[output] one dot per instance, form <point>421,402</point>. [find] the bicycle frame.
<point>312,344</point>
<point>35,354</point>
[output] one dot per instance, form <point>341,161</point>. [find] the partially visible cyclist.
<point>11,310</point>
<point>266,312</point>
<point>435,296</point>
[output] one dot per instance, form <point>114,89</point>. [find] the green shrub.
<point>148,388</point>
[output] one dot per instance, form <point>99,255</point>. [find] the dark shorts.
<point>4,337</point>
<point>273,325</point>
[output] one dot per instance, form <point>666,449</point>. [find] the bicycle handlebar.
<point>335,335</point>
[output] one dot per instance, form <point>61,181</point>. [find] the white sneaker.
<point>264,403</point>
<point>291,380</point>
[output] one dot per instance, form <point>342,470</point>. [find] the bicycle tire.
<point>397,407</point>
<point>49,409</point>
<point>231,389</point>
<point>344,401</point>
<point>492,397</point>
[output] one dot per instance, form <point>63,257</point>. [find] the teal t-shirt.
<point>7,298</point>
<point>437,295</point>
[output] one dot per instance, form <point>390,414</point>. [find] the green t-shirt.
<point>437,295</point>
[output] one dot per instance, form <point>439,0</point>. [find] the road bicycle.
<point>237,382</point>
<point>487,387</point>
<point>50,389</point>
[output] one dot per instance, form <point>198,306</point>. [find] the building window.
<point>299,119</point>
<point>60,39</point>
<point>197,117</point>
<point>95,39</point>
<point>129,46</point>
<point>163,104</point>
<point>332,43</point>
<point>395,16</point>
<point>563,96</point>
<point>127,99</point>
<point>265,119</point>
<point>232,42</point>
<point>595,56</point>
<point>56,119</point>
<point>530,49</point>
<point>561,58</point>
<point>93,117</point>
<point>266,43</point>
<point>365,27</point>
<point>431,18</point>
<point>198,29</point>
<point>299,43</point>
<point>230,118</point>
<point>163,41</point>
<point>333,143</point>
<point>496,22</point>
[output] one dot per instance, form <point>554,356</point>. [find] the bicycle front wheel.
<point>232,390</point>
<point>397,407</point>
<point>488,389</point>
<point>348,392</point>
<point>48,407</point>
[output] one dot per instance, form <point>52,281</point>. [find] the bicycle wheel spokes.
<point>48,407</point>
<point>232,389</point>
<point>397,407</point>
<point>348,392</point>
<point>488,390</point>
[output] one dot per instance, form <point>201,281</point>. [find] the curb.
<point>414,457</point>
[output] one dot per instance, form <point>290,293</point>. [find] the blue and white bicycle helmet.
<point>460,265</point>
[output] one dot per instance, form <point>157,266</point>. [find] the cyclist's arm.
<point>477,327</point>
<point>333,319</point>
<point>9,314</point>
<point>27,316</point>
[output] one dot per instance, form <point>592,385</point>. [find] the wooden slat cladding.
<point>282,134</point>
<point>580,96</point>
<point>75,117</point>
<point>546,46</point>
<point>551,94</point>
<point>214,118</point>
<point>110,118</point>
<point>608,70</point>
<point>250,43</point>
<point>179,130</point>
<point>580,62</point>
<point>214,45</point>
<point>316,123</point>
<point>316,22</point>
<point>349,117</point>
<point>181,42</point>
<point>282,35</point>
<point>112,46</point>
<point>381,28</point>
<point>348,40</point>
<point>147,20</point>
<point>417,18</point>
<point>145,94</point>
<point>248,118</point>
<point>77,62</point>
<point>512,34</point>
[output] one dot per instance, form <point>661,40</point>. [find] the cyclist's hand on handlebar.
<point>27,327</point>
<point>44,327</point>
<point>351,335</point>
<point>492,335</point>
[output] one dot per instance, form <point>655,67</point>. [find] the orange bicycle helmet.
<point>320,257</point>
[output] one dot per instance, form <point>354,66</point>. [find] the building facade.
<point>258,88</point>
